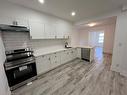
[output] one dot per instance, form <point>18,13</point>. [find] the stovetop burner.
<point>16,58</point>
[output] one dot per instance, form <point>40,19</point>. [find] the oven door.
<point>20,74</point>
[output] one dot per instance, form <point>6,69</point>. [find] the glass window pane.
<point>101,38</point>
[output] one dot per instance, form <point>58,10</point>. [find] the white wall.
<point>4,88</point>
<point>109,31</point>
<point>119,61</point>
<point>83,37</point>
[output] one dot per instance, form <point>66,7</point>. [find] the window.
<point>101,38</point>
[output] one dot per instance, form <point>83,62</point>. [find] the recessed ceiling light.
<point>42,1</point>
<point>73,13</point>
<point>91,24</point>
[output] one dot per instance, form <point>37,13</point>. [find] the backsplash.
<point>19,40</point>
<point>15,40</point>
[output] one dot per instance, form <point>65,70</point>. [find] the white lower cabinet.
<point>55,60</point>
<point>67,55</point>
<point>43,64</point>
<point>70,52</point>
<point>92,54</point>
<point>64,57</point>
<point>78,52</point>
<point>74,53</point>
<point>47,62</point>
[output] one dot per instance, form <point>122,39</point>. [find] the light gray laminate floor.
<point>79,78</point>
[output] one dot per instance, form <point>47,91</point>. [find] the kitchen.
<point>45,42</point>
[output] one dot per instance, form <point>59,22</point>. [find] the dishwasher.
<point>85,54</point>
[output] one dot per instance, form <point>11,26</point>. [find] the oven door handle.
<point>30,62</point>
<point>14,76</point>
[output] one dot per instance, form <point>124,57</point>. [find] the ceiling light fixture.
<point>91,24</point>
<point>42,1</point>
<point>73,13</point>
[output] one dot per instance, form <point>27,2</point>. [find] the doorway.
<point>96,39</point>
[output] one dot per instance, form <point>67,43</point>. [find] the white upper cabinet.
<point>50,31</point>
<point>59,31</point>
<point>7,21</point>
<point>62,31</point>
<point>37,30</point>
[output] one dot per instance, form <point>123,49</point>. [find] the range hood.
<point>13,28</point>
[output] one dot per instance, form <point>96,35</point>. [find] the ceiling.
<point>84,8</point>
<point>102,22</point>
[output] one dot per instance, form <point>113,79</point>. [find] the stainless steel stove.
<point>20,67</point>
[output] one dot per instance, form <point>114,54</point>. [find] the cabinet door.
<point>79,52</point>
<point>63,57</point>
<point>59,31</point>
<point>37,30</point>
<point>74,54</point>
<point>43,64</point>
<point>68,55</point>
<point>55,60</point>
<point>50,31</point>
<point>92,54</point>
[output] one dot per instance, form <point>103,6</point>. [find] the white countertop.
<point>81,46</point>
<point>45,51</point>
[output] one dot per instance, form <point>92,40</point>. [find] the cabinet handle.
<point>49,59</point>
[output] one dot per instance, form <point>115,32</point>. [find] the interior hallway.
<point>99,53</point>
<point>79,78</point>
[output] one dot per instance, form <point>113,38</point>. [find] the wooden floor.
<point>79,78</point>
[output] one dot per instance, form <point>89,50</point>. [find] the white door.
<point>37,30</point>
<point>119,59</point>
<point>123,42</point>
